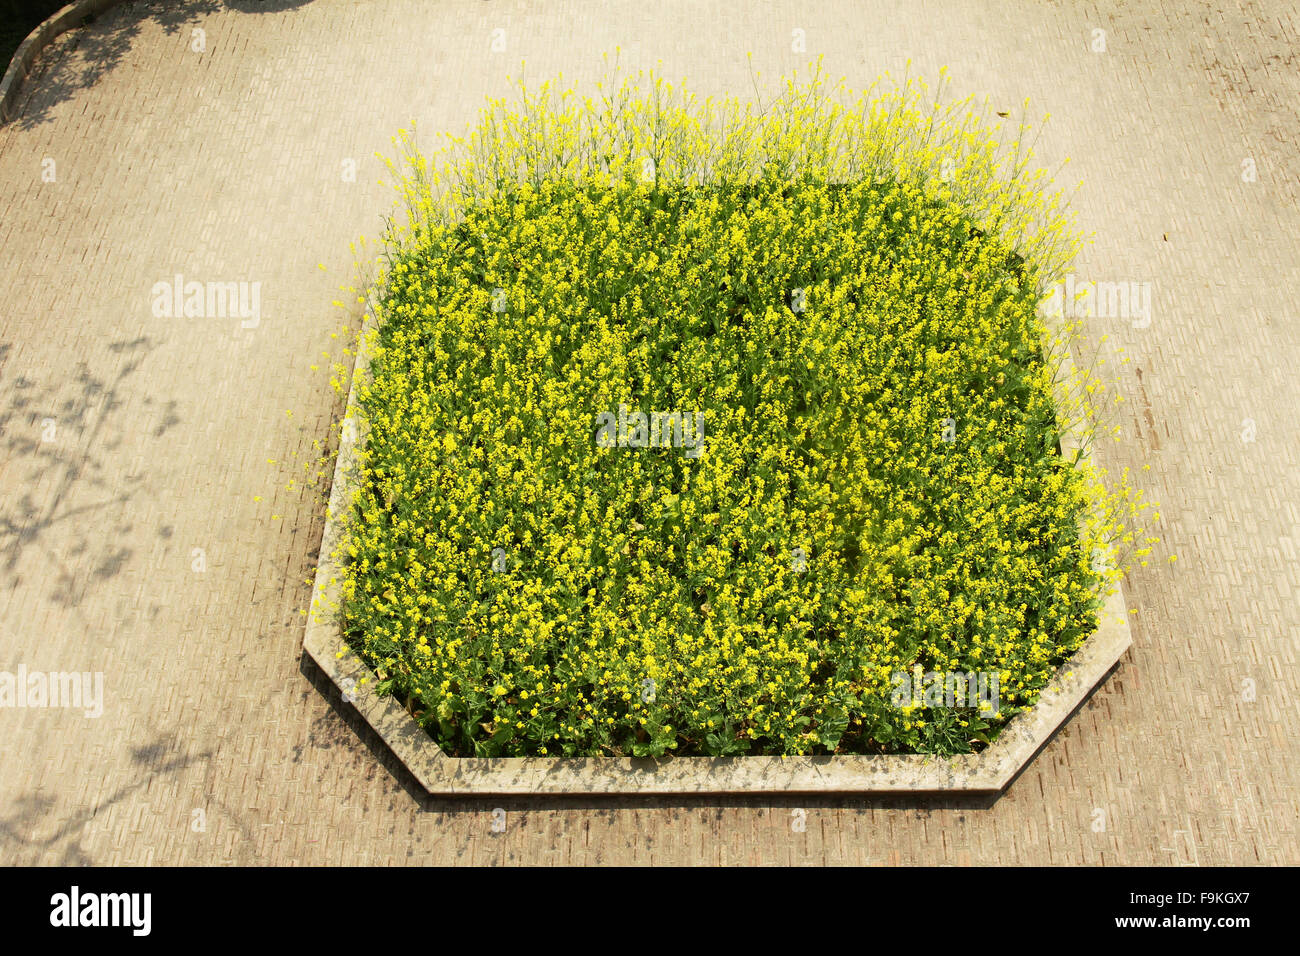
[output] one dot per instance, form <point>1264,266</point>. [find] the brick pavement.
<point>226,165</point>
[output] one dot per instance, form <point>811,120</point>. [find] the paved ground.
<point>227,164</point>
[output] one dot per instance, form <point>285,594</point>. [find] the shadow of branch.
<point>101,43</point>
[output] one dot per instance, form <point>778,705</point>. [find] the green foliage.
<point>880,485</point>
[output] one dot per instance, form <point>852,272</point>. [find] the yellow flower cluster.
<point>846,298</point>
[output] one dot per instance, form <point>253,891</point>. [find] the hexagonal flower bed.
<point>698,430</point>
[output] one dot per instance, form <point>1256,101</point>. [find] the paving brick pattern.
<point>226,164</point>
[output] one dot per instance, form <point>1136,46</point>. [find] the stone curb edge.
<point>73,15</point>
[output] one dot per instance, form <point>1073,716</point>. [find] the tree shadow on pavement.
<point>34,822</point>
<point>52,441</point>
<point>102,42</point>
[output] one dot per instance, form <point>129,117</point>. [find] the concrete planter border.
<point>73,15</point>
<point>985,773</point>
